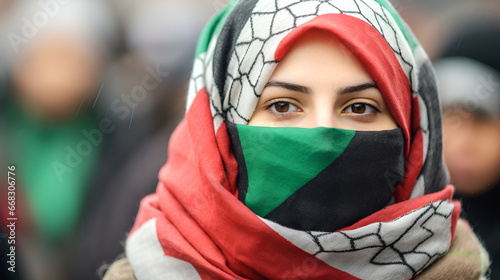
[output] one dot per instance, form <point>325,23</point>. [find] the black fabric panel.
<point>242,181</point>
<point>434,170</point>
<point>227,41</point>
<point>357,184</point>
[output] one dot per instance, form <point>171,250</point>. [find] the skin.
<point>321,83</point>
<point>471,151</point>
<point>320,71</point>
<point>55,73</point>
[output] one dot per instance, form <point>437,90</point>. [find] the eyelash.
<point>360,117</point>
<point>363,103</point>
<point>268,106</point>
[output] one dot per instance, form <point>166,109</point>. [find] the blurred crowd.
<point>90,91</point>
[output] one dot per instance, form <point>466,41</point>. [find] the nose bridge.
<point>323,114</point>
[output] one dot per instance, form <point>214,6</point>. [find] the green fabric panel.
<point>275,157</point>
<point>410,38</point>
<point>212,27</point>
<point>34,146</point>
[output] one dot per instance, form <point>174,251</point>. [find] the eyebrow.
<point>358,88</point>
<point>307,90</point>
<point>289,86</point>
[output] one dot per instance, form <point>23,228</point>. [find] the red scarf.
<point>194,226</point>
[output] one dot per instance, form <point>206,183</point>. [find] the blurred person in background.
<point>76,89</point>
<point>469,76</point>
<point>50,129</point>
<point>154,69</point>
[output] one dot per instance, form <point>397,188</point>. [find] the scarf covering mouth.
<point>196,227</point>
<point>310,179</point>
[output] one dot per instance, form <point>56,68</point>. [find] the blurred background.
<point>90,91</point>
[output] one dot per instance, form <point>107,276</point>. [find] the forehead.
<point>255,29</point>
<point>318,57</point>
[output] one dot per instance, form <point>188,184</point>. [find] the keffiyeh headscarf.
<point>205,220</point>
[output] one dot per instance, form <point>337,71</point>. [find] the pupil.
<point>358,108</point>
<point>282,107</point>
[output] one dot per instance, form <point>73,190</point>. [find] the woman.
<point>54,66</point>
<point>469,69</point>
<point>311,149</point>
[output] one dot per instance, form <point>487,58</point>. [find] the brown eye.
<point>358,108</point>
<point>282,107</point>
<point>361,109</point>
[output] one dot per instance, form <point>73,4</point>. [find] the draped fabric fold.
<point>198,224</point>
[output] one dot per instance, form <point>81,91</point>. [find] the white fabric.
<point>416,239</point>
<point>147,258</point>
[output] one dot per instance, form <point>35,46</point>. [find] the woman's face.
<point>55,73</point>
<point>471,151</point>
<point>320,83</point>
